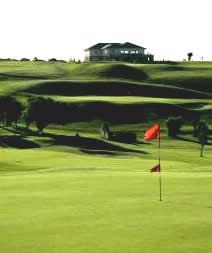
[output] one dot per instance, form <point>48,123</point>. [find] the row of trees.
<point>43,111</point>
<point>200,130</point>
<point>40,111</point>
<point>36,59</point>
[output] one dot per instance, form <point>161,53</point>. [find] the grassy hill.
<point>194,75</point>
<point>101,81</point>
<point>116,92</point>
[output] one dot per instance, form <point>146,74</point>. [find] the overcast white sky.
<point>169,29</point>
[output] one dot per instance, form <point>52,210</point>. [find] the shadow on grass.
<point>4,76</point>
<point>185,139</point>
<point>22,131</point>
<point>98,152</point>
<point>187,131</point>
<point>17,142</point>
<point>193,141</point>
<point>86,144</point>
<point>142,142</point>
<point>110,88</point>
<point>123,71</point>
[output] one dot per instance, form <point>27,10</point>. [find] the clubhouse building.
<point>117,52</point>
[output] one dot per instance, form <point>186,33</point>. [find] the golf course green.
<point>83,194</point>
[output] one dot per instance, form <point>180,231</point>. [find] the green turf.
<point>194,75</point>
<point>130,99</point>
<point>56,200</point>
<point>59,194</point>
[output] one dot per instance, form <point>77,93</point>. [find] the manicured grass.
<point>55,200</point>
<point>130,99</point>
<point>194,75</point>
<point>61,193</point>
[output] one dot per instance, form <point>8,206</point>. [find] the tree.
<point>189,56</point>
<point>27,117</point>
<point>40,111</point>
<point>10,110</point>
<point>36,59</point>
<point>174,124</point>
<point>25,59</point>
<point>52,59</point>
<point>195,125</point>
<point>105,131</point>
<point>202,135</point>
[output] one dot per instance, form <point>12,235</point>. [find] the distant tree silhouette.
<point>25,59</point>
<point>195,126</point>
<point>36,59</point>
<point>189,56</point>
<point>52,59</point>
<point>202,135</point>
<point>27,117</point>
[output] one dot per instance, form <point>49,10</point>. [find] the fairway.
<point>105,126</point>
<point>67,189</point>
<point>100,211</point>
<point>77,202</point>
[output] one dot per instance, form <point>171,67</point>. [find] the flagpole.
<point>159,166</point>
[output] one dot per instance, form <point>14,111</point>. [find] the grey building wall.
<point>118,54</point>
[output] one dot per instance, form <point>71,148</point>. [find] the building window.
<point>133,52</point>
<point>105,51</point>
<point>126,52</point>
<point>122,52</point>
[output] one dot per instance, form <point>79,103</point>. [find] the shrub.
<point>174,124</point>
<point>126,137</point>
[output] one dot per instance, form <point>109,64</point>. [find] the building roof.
<point>114,45</point>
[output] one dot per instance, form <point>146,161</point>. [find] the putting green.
<point>105,211</point>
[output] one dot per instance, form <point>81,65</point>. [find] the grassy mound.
<point>123,72</point>
<point>193,76</point>
<point>109,88</point>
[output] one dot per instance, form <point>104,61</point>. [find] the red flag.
<point>152,133</point>
<point>155,169</point>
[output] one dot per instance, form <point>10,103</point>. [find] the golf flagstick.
<point>160,181</point>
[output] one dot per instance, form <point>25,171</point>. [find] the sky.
<point>62,29</point>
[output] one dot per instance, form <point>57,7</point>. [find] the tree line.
<point>36,59</point>
<point>43,111</point>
